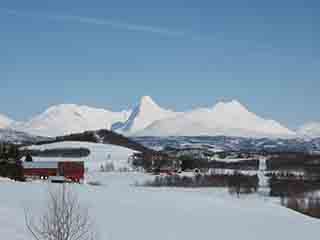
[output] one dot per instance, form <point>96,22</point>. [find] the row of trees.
<point>308,204</point>
<point>236,183</point>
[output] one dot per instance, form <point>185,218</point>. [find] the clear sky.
<point>185,54</point>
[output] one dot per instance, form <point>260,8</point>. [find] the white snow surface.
<point>122,211</point>
<point>310,130</point>
<point>100,154</point>
<point>143,115</point>
<point>70,118</point>
<point>225,118</point>
<point>5,121</point>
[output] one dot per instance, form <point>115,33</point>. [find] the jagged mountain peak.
<point>147,104</point>
<point>147,100</point>
<point>143,115</point>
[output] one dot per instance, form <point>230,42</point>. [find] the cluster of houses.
<point>18,165</point>
<point>54,170</point>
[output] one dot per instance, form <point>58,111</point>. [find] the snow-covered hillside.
<point>69,118</point>
<point>310,130</point>
<point>142,116</point>
<point>100,154</point>
<point>225,118</point>
<point>5,121</point>
<point>122,211</point>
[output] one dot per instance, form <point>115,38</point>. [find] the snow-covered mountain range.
<point>147,118</point>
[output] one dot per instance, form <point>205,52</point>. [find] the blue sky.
<point>184,54</point>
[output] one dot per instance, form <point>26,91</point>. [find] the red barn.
<point>69,171</point>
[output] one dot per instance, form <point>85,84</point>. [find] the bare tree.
<point>63,218</point>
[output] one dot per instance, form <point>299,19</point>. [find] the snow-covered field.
<point>123,211</point>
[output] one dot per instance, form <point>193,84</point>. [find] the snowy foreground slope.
<point>122,211</point>
<point>100,154</point>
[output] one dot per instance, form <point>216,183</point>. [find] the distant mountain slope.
<point>222,143</point>
<point>11,136</point>
<point>310,129</point>
<point>69,118</point>
<point>5,121</point>
<point>143,115</point>
<point>229,119</point>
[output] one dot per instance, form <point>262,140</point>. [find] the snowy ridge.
<point>225,118</point>
<point>69,118</point>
